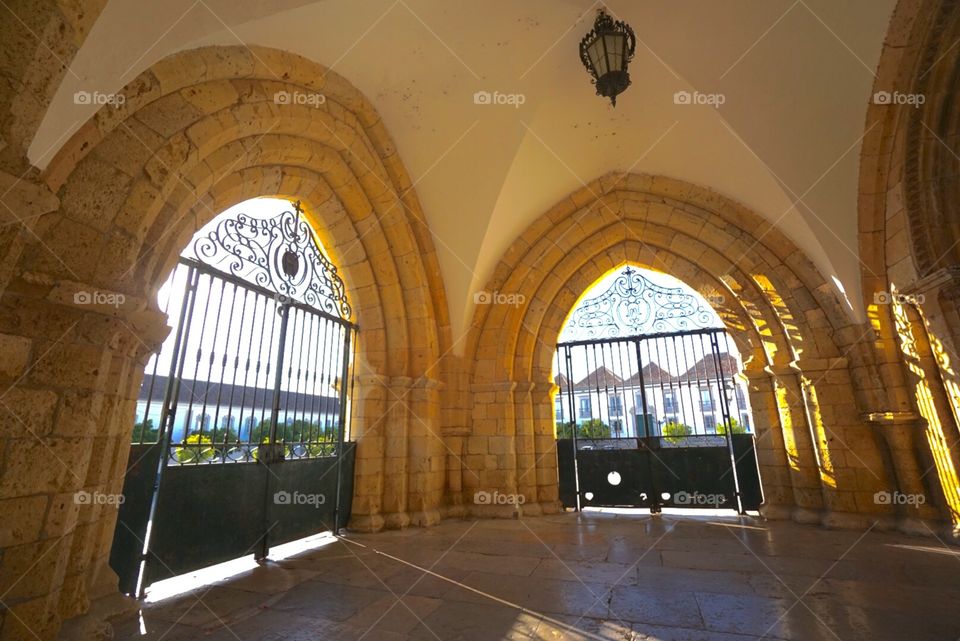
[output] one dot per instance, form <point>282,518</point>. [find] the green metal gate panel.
<point>748,471</point>
<point>206,514</point>
<point>566,468</point>
<point>303,496</point>
<point>134,513</point>
<point>654,475</point>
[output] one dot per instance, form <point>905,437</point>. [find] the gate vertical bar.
<point>573,420</point>
<point>725,412</point>
<point>342,427</point>
<point>283,308</point>
<point>169,411</point>
<point>654,491</point>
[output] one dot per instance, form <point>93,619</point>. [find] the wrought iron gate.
<point>658,417</point>
<point>633,433</point>
<point>241,435</point>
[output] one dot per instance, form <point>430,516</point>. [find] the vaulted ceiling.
<point>795,76</point>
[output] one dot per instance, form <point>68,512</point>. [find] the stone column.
<point>491,461</point>
<point>525,447</point>
<point>369,426</point>
<point>73,362</point>
<point>426,453</point>
<point>545,443</point>
<point>798,444</point>
<point>775,471</point>
<point>851,467</point>
<point>902,432</point>
<point>396,431</point>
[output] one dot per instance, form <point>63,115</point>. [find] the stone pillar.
<point>396,473</point>
<point>491,461</point>
<point>902,433</point>
<point>401,456</point>
<point>455,439</point>
<point>426,453</point>
<point>72,366</point>
<point>852,468</point>
<point>775,472</point>
<point>369,426</point>
<point>798,444</point>
<point>545,443</point>
<point>525,447</point>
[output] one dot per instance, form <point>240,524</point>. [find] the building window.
<point>740,400</point>
<point>585,410</point>
<point>706,399</point>
<point>669,401</point>
<point>710,424</point>
<point>615,405</point>
<point>745,420</point>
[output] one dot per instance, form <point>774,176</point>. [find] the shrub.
<point>674,432</point>
<point>736,427</point>
<point>195,448</point>
<point>594,428</point>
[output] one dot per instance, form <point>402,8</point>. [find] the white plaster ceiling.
<point>796,76</point>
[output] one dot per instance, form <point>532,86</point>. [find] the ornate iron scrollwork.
<point>279,254</point>
<point>633,305</point>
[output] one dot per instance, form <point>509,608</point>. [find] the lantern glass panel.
<point>614,44</point>
<point>597,57</point>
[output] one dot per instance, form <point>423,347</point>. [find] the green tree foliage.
<point>674,431</point>
<point>736,427</point>
<point>594,428</point>
<point>298,431</point>
<point>145,432</point>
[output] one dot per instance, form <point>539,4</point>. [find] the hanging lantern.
<point>606,51</point>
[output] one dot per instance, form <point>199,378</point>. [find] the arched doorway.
<point>241,431</point>
<point>652,405</point>
<point>819,461</point>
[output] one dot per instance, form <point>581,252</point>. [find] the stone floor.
<point>584,576</point>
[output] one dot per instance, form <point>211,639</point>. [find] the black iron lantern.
<point>606,51</point>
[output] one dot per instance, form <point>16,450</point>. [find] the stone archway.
<point>910,253</point>
<point>819,460</point>
<point>199,132</point>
